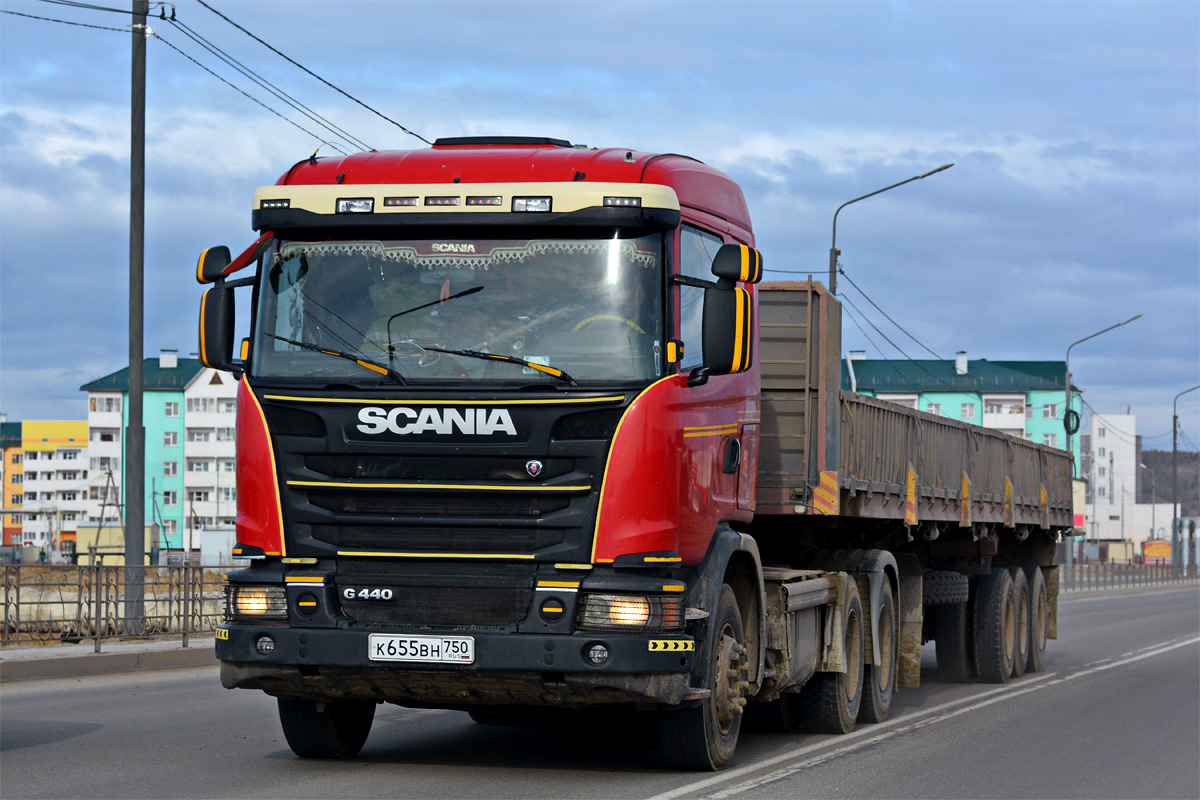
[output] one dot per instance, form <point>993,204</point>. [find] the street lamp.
<point>833,251</point>
<point>1175,473</point>
<point>1153,484</point>
<point>1067,412</point>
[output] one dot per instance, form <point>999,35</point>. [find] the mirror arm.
<point>699,376</point>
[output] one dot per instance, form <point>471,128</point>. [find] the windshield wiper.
<point>464,293</point>
<point>551,371</point>
<point>371,365</point>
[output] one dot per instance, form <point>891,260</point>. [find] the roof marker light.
<point>399,201</point>
<point>531,204</point>
<point>275,204</point>
<point>442,201</point>
<point>356,205</point>
<point>485,201</point>
<point>622,202</point>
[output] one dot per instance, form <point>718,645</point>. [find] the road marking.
<point>913,721</point>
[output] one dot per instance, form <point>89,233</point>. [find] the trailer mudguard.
<point>874,565</point>
<point>732,558</point>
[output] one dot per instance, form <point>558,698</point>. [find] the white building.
<point>1112,458</point>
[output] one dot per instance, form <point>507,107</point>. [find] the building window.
<point>1103,471</point>
<point>228,494</point>
<point>170,498</point>
<point>1102,433</point>
<point>197,495</point>
<point>31,456</point>
<point>198,436</point>
<point>70,495</point>
<point>197,465</point>
<point>171,439</point>
<point>227,466</point>
<point>201,404</point>
<point>968,411</point>
<point>170,469</point>
<point>170,526</point>
<point>1050,411</point>
<point>16,499</point>
<point>934,408</point>
<point>31,497</point>
<point>227,406</point>
<point>225,434</point>
<point>1102,452</point>
<point>18,478</point>
<point>172,409</point>
<point>69,516</point>
<point>1050,439</point>
<point>105,404</point>
<point>70,455</point>
<point>993,408</point>
<point>16,458</point>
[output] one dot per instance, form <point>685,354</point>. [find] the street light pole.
<point>1153,484</point>
<point>833,251</point>
<point>1175,533</point>
<point>1067,406</point>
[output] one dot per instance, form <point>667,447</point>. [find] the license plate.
<point>427,649</point>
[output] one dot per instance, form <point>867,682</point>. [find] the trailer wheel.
<point>830,701</point>
<point>338,731</point>
<point>995,627</point>
<point>704,737</point>
<point>952,642</point>
<point>1038,609</point>
<point>1021,597</point>
<point>878,680</point>
<point>944,588</point>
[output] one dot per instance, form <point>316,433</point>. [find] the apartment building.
<point>189,414</point>
<point>1026,399</point>
<point>1112,465</point>
<point>45,481</point>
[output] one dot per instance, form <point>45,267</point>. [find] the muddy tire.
<point>1039,608</point>
<point>1021,596</point>
<point>879,678</point>
<point>995,627</point>
<point>338,731</point>
<point>705,737</point>
<point>830,701</point>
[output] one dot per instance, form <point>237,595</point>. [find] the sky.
<point>1074,129</point>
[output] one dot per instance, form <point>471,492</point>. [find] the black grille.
<point>440,595</point>
<point>425,539</point>
<point>406,503</point>
<point>434,468</point>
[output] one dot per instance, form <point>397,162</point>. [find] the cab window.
<point>696,251</point>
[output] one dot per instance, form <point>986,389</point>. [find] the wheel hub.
<point>729,694</point>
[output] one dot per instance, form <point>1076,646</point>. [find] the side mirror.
<point>737,263</point>
<point>727,333</point>
<point>213,262</point>
<point>216,328</point>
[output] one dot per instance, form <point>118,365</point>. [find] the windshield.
<point>588,308</point>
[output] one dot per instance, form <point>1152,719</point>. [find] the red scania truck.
<point>519,429</point>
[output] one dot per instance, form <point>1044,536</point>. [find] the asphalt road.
<point>1116,713</point>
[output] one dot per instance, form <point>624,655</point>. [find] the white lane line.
<point>723,777</point>
<point>1094,663</point>
<point>900,725</point>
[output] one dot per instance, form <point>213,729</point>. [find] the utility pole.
<point>1176,530</point>
<point>135,434</point>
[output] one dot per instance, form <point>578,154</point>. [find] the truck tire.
<point>995,627</point>
<point>704,737</point>
<point>1038,609</point>
<point>781,715</point>
<point>879,678</point>
<point>952,642</point>
<point>1021,596</point>
<point>944,588</point>
<point>830,701</point>
<point>339,731</point>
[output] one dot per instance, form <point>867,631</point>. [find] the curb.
<point>94,664</point>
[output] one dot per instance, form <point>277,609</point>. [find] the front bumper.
<point>509,668</point>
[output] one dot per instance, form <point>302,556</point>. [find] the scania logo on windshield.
<point>405,421</point>
<point>452,247</point>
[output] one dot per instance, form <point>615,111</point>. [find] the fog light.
<point>631,612</point>
<point>597,654</point>
<point>265,645</point>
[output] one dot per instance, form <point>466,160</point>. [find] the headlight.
<point>622,612</point>
<point>255,602</point>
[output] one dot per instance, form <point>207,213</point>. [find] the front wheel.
<point>704,737</point>
<point>334,729</point>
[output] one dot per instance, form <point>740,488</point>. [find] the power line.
<point>885,314</point>
<point>244,94</point>
<point>916,363</point>
<point>88,6</point>
<point>265,84</point>
<point>66,22</point>
<point>313,74</point>
<point>890,363</point>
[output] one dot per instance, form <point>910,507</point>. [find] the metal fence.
<point>1120,576</point>
<point>51,604</point>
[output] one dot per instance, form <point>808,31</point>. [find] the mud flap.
<point>912,608</point>
<point>1051,576</point>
